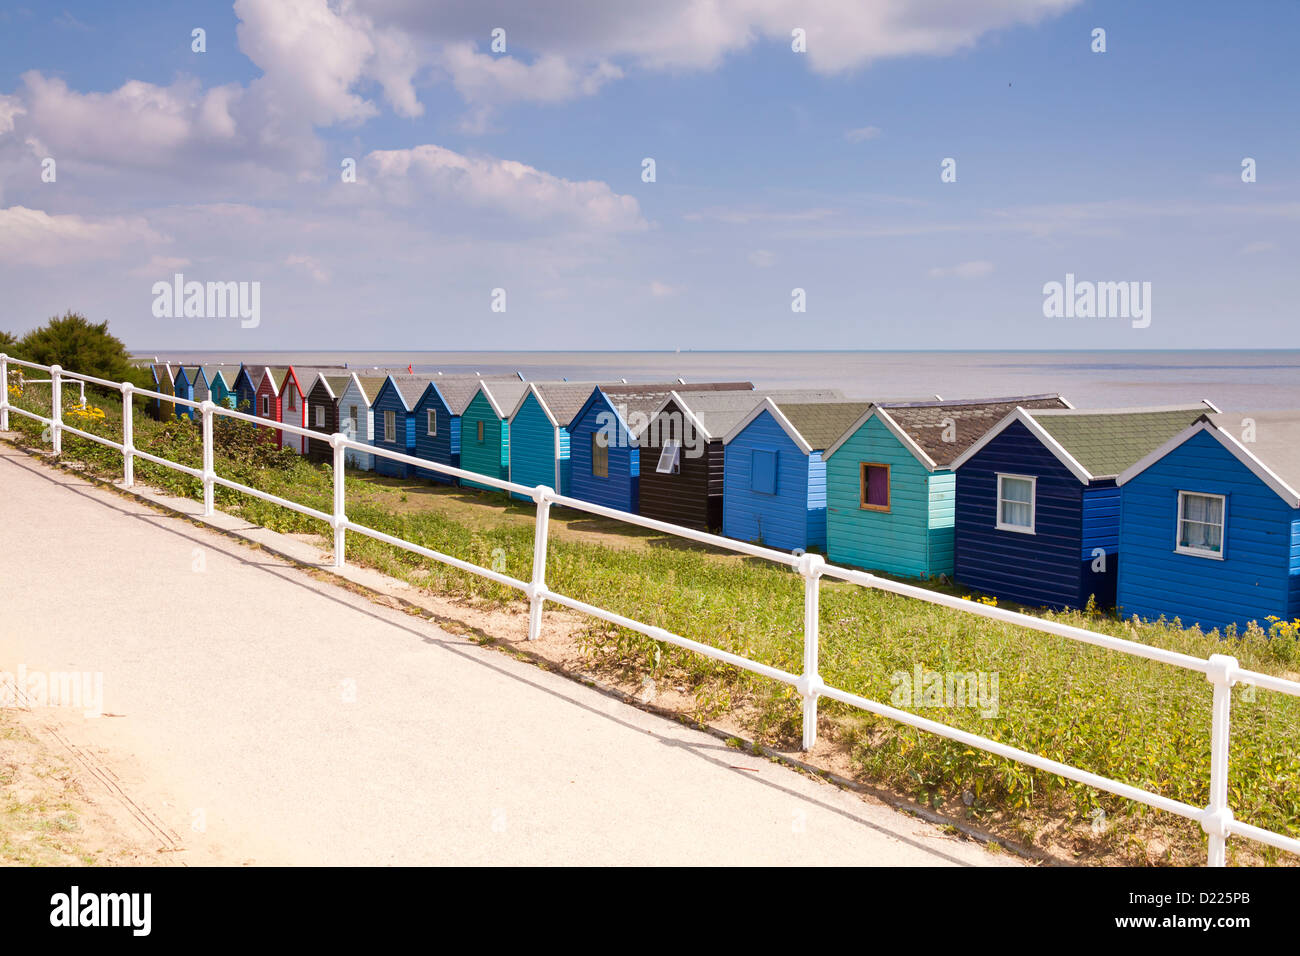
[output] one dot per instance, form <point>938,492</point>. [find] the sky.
<point>500,197</point>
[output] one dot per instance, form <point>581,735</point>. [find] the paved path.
<point>265,716</point>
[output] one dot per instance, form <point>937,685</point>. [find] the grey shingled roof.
<point>927,422</point>
<point>1276,439</point>
<point>822,423</point>
<point>337,383</point>
<point>371,384</point>
<point>565,399</point>
<point>228,373</point>
<point>1107,441</point>
<point>643,400</point>
<point>410,387</point>
<point>506,394</point>
<point>719,412</point>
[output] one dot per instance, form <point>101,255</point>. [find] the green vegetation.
<point>74,342</point>
<point>1136,721</point>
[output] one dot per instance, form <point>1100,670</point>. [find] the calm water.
<point>1233,380</point>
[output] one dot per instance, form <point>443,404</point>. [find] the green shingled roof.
<point>822,423</point>
<point>1107,442</point>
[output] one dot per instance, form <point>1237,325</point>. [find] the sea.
<point>1234,380</point>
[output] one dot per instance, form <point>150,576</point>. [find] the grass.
<point>1133,720</point>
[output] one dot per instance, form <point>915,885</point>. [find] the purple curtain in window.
<point>878,486</point>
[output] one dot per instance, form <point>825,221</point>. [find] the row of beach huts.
<point>1177,511</point>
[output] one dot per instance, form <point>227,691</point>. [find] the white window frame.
<point>266,406</point>
<point>320,416</point>
<point>390,430</point>
<point>431,422</point>
<point>1223,526</point>
<point>1033,505</point>
<point>670,455</point>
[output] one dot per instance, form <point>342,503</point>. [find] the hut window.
<point>1016,503</point>
<point>390,425</point>
<point>480,433</point>
<point>599,457</point>
<point>320,416</point>
<point>293,402</point>
<point>670,458</point>
<point>352,420</point>
<point>266,405</point>
<point>431,422</point>
<point>873,480</point>
<point>1200,524</point>
<point>762,471</point>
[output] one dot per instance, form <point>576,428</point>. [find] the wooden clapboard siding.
<point>533,444</point>
<point>402,438</point>
<point>618,490</point>
<point>693,496</point>
<point>780,520</point>
<point>319,449</point>
<point>491,456</point>
<point>907,540</point>
<point>183,388</point>
<point>1040,569</point>
<point>245,391</point>
<point>268,396</point>
<point>444,447</point>
<point>1257,576</point>
<point>363,427</point>
<point>293,411</point>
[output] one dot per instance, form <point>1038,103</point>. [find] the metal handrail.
<point>1221,670</point>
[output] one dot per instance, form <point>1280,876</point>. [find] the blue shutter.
<point>762,472</point>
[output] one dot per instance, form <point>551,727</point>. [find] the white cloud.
<point>976,269</point>
<point>862,134</point>
<point>522,192</point>
<point>10,108</point>
<point>310,265</point>
<point>763,258</point>
<point>485,78</point>
<point>659,289</point>
<point>34,237</point>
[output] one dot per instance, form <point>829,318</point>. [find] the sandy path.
<point>259,715</point>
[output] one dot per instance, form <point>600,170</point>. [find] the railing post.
<point>128,435</point>
<point>1217,819</point>
<point>4,392</point>
<point>810,684</point>
<point>340,498</point>
<point>56,408</point>
<point>542,495</point>
<point>209,467</point>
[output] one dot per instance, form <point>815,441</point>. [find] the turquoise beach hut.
<point>221,382</point>
<point>1210,524</point>
<point>539,433</point>
<point>485,430</point>
<point>890,488</point>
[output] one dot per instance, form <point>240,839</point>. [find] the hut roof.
<point>822,423</point>
<point>938,432</point>
<point>716,413</point>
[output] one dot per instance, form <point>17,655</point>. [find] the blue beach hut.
<point>890,488</point>
<point>1037,512</point>
<point>605,436</point>
<point>394,416</point>
<point>437,425</point>
<point>774,475</point>
<point>246,390</point>
<point>1210,524</point>
<point>191,383</point>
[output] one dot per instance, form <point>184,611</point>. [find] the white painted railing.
<point>1221,670</point>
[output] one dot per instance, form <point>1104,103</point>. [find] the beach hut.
<point>221,381</point>
<point>683,456</point>
<point>246,382</point>
<point>1037,511</point>
<point>267,403</point>
<point>357,417</point>
<point>890,488</point>
<point>191,383</point>
<point>437,416</point>
<point>394,421</point>
<point>164,382</point>
<point>605,436</point>
<point>774,478</point>
<point>1210,524</point>
<point>293,406</point>
<point>539,433</point>
<point>323,413</point>
<point>485,429</point>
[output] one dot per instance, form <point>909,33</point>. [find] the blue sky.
<point>775,170</point>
